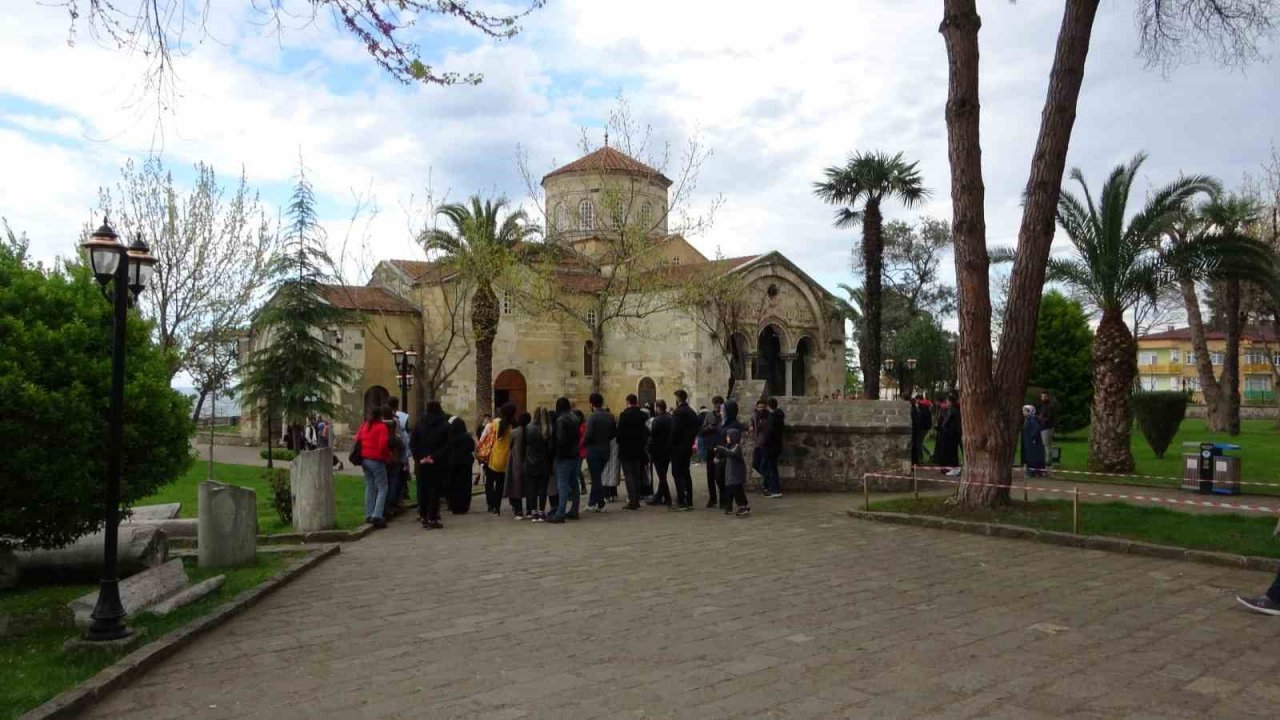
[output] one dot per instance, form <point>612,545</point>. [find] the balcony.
<point>1163,369</point>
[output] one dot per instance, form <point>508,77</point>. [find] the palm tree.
<point>1116,265</point>
<point>481,245</point>
<point>860,186</point>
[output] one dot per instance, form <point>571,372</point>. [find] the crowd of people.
<point>533,462</point>
<point>943,418</point>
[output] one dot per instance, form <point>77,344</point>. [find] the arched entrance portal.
<point>509,387</point>
<point>647,391</point>
<point>800,366</point>
<point>375,396</point>
<point>769,366</point>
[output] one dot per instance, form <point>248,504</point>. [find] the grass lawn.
<point>32,662</point>
<point>350,494</point>
<point>1258,439</point>
<point>1242,534</point>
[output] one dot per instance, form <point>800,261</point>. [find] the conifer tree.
<point>294,372</point>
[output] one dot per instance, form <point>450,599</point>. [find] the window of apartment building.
<point>1275,359</point>
<point>1255,358</point>
<point>1257,384</point>
<point>1146,358</point>
<point>1191,383</point>
<point>1149,382</point>
<point>1191,357</point>
<point>1215,358</point>
<point>1175,356</point>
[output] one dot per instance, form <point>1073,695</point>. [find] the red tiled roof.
<point>1263,333</point>
<point>690,271</point>
<point>421,270</point>
<point>581,282</point>
<point>367,298</point>
<point>608,160</point>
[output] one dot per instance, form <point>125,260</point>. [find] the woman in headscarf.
<point>515,468</point>
<point>1032,442</point>
<point>537,464</point>
<point>462,446</point>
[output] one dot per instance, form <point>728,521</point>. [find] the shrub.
<point>1062,361</point>
<point>278,454</point>
<point>281,498</point>
<point>55,380</point>
<point>1159,416</point>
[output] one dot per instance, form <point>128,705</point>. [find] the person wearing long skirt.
<point>514,490</point>
<point>462,446</point>
<point>429,444</point>
<point>537,465</point>
<point>1032,443</point>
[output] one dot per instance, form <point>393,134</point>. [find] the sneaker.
<point>744,512</point>
<point>1261,604</point>
<point>776,495</point>
<point>437,525</point>
<point>379,523</point>
<point>686,508</point>
<point>428,525</point>
<point>728,511</point>
<point>555,520</point>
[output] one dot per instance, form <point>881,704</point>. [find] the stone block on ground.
<point>228,525</point>
<point>137,592</point>
<point>150,514</point>
<point>311,484</point>
<point>185,597</point>
<point>139,547</point>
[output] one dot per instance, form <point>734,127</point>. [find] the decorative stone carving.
<point>311,484</point>
<point>228,525</point>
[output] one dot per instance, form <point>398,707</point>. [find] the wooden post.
<point>1025,480</point>
<point>866,492</point>
<point>1075,510</point>
<point>915,484</point>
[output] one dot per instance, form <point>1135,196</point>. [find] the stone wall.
<point>1247,412</point>
<point>830,444</point>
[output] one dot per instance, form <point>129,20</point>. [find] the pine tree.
<point>297,369</point>
<point>1062,362</point>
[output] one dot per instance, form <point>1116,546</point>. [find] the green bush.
<point>278,454</point>
<point>281,498</point>
<point>1159,416</point>
<point>55,379</point>
<point>1062,361</point>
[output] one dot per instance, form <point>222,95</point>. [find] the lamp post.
<point>130,269</point>
<point>888,371</point>
<point>911,368</point>
<point>405,364</point>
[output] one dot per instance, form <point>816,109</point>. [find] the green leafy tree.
<point>860,186</point>
<point>296,367</point>
<point>55,378</point>
<point>1062,362</point>
<point>932,347</point>
<point>481,246</point>
<point>1116,264</point>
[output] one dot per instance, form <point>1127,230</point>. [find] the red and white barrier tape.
<point>1060,471</point>
<point>1087,493</point>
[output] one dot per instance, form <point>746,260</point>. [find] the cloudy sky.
<point>777,96</point>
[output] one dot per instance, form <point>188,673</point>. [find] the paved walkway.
<point>797,612</point>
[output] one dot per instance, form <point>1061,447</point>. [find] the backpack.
<point>395,446</point>
<point>485,448</point>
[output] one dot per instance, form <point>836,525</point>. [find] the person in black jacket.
<point>711,436</point>
<point>660,451</point>
<point>633,437</point>
<point>537,465</point>
<point>774,428</point>
<point>946,450</point>
<point>429,444</point>
<point>564,446</point>
<point>684,432</point>
<point>462,448</point>
<point>921,422</point>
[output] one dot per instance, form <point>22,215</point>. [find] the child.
<point>735,473</point>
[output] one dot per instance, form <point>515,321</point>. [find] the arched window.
<point>588,360</point>
<point>619,218</point>
<point>646,217</point>
<point>586,215</point>
<point>560,222</point>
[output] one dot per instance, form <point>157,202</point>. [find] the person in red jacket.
<point>374,455</point>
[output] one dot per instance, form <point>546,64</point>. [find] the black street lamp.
<point>130,269</point>
<point>888,371</point>
<point>911,369</point>
<point>405,364</point>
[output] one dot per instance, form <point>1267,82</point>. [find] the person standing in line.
<point>700,442</point>
<point>537,465</point>
<point>684,432</point>
<point>759,429</point>
<point>773,449</point>
<point>372,438</point>
<point>921,422</point>
<point>429,445</point>
<point>1269,602</point>
<point>462,447</point>
<point>1032,451</point>
<point>600,431</point>
<point>397,453</point>
<point>946,451</point>
<point>728,421</point>
<point>710,435</point>
<point>729,457</point>
<point>582,451</point>
<point>633,437</point>
<point>324,439</point>
<point>1047,416</point>
<point>568,463</point>
<point>495,467</point>
<point>397,473</point>
<point>515,490</point>
<point>660,451</point>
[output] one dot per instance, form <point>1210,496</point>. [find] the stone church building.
<point>788,335</point>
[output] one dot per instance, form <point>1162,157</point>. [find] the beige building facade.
<point>788,333</point>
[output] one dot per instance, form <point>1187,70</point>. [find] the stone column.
<point>311,484</point>
<point>751,366</point>
<point>788,359</point>
<point>228,525</point>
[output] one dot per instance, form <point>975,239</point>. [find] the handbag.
<point>355,458</point>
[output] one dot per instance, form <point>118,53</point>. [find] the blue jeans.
<point>597,458</point>
<point>375,488</point>
<point>769,470</point>
<point>567,470</point>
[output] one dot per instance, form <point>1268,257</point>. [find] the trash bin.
<point>1207,468</point>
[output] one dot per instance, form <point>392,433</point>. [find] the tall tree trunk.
<point>1114,367</point>
<point>597,349</point>
<point>1211,391</point>
<point>484,324</point>
<point>990,400</point>
<point>1231,362</point>
<point>873,267</point>
<point>195,412</point>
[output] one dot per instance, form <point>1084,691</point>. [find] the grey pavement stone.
<point>701,616</point>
